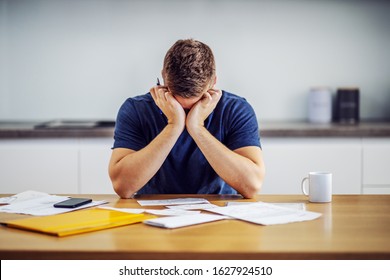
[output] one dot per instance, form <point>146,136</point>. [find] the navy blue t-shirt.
<point>233,122</point>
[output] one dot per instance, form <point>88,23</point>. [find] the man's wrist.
<point>176,128</point>
<point>195,129</point>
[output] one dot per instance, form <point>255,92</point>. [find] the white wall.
<point>82,58</point>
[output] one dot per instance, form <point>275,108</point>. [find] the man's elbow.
<point>123,190</point>
<point>120,186</point>
<point>253,187</point>
<point>251,191</point>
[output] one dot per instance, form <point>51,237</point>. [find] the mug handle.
<point>303,186</point>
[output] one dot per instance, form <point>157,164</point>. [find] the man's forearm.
<point>240,172</point>
<point>132,171</point>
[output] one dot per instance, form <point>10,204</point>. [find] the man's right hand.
<point>169,106</point>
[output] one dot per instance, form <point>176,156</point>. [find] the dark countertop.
<point>306,129</point>
<point>267,129</point>
<point>35,130</point>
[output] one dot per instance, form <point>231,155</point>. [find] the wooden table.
<point>352,227</point>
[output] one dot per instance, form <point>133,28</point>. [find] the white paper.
<point>157,212</point>
<point>125,210</point>
<point>182,221</point>
<point>265,213</point>
<point>170,212</point>
<point>192,206</point>
<point>175,201</point>
<point>296,206</point>
<point>21,197</point>
<point>41,205</point>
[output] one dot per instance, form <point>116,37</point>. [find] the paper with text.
<point>200,206</point>
<point>265,213</point>
<point>174,201</point>
<point>182,221</point>
<point>41,205</point>
<point>157,212</point>
<point>125,210</point>
<point>170,212</point>
<point>26,195</point>
<point>296,206</point>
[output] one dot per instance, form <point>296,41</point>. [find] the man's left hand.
<point>202,109</point>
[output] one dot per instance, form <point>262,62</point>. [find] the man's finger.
<point>207,98</point>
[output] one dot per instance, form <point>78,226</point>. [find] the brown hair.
<point>189,68</point>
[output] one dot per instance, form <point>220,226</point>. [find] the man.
<point>185,136</point>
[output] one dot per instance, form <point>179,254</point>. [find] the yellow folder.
<point>77,222</point>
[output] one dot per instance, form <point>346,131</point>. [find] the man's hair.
<point>189,68</point>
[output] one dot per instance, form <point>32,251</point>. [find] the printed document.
<point>265,213</point>
<point>200,206</point>
<point>174,201</point>
<point>297,206</point>
<point>157,212</point>
<point>39,204</point>
<point>182,221</point>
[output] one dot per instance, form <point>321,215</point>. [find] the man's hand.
<point>169,106</point>
<point>202,109</point>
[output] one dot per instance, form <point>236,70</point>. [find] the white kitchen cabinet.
<point>94,155</point>
<point>288,160</point>
<point>80,165</point>
<point>367,189</point>
<point>376,165</point>
<point>45,165</point>
<point>56,166</point>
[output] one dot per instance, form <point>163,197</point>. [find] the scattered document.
<point>170,212</point>
<point>125,210</point>
<point>157,212</point>
<point>296,206</point>
<point>33,203</point>
<point>21,197</point>
<point>200,206</point>
<point>182,221</point>
<point>265,213</point>
<point>175,201</point>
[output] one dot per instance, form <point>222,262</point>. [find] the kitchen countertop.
<point>306,129</point>
<point>18,129</point>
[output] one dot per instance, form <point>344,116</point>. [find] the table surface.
<point>351,227</point>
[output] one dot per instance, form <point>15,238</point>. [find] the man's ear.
<point>215,81</point>
<point>163,76</point>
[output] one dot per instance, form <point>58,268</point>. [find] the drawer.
<point>376,161</point>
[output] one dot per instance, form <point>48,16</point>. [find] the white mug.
<point>320,186</point>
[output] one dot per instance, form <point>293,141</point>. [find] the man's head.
<point>189,69</point>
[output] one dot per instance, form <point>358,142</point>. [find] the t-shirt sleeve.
<point>243,127</point>
<point>128,129</point>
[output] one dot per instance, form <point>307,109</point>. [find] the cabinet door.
<point>47,165</point>
<point>289,160</point>
<point>376,162</point>
<point>95,154</point>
